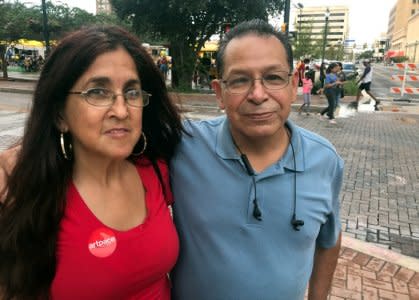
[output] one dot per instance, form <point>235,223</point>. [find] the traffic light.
<point>284,27</point>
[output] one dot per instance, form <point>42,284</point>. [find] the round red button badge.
<point>102,242</point>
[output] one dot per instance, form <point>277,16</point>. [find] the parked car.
<point>350,70</point>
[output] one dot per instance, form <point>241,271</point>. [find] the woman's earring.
<point>69,155</point>
<point>144,146</point>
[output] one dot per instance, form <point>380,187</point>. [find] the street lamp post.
<point>326,16</point>
<point>45,28</point>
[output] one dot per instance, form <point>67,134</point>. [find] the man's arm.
<point>325,260</point>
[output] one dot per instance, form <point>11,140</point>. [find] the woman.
<point>84,213</point>
<point>330,90</point>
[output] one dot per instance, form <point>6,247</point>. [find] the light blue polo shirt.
<point>225,253</point>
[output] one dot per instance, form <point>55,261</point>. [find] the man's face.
<point>261,112</point>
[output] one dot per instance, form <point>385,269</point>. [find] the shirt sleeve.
<point>329,232</point>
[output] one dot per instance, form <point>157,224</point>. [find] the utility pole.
<point>45,28</point>
<point>287,16</point>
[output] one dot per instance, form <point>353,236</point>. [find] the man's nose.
<point>258,90</point>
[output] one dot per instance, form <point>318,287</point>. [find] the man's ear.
<point>216,86</point>
<point>294,85</point>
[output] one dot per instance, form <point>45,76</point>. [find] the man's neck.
<point>262,152</point>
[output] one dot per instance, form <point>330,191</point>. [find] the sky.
<point>367,18</point>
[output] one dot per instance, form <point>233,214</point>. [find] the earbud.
<point>296,224</point>
<point>256,211</point>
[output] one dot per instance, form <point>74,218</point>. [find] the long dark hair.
<point>35,194</point>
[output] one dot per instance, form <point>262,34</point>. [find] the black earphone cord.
<point>257,214</point>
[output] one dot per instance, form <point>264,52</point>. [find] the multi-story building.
<point>315,19</point>
<point>403,24</point>
<point>103,7</point>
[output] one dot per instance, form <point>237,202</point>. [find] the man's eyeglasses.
<point>106,98</point>
<point>242,84</point>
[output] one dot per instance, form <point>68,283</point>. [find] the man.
<point>365,80</point>
<point>257,207</point>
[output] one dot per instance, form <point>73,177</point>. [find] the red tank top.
<point>98,262</point>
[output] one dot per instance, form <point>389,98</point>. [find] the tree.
<point>186,25</point>
<point>366,54</point>
<point>304,46</point>
<point>27,22</point>
<point>15,24</point>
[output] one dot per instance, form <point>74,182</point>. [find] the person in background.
<point>340,92</point>
<point>257,197</point>
<point>307,86</point>
<point>331,83</point>
<point>84,211</point>
<point>163,66</point>
<point>322,75</point>
<point>365,81</point>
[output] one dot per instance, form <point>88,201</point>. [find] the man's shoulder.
<point>203,126</point>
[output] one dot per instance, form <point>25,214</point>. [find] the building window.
<point>414,1</point>
<point>413,11</point>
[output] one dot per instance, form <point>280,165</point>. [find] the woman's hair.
<point>330,67</point>
<point>35,194</point>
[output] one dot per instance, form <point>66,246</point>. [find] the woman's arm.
<point>7,162</point>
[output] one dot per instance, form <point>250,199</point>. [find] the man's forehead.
<point>253,51</point>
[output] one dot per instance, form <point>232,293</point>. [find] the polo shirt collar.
<point>225,148</point>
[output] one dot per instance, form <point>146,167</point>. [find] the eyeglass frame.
<point>224,82</point>
<point>113,97</point>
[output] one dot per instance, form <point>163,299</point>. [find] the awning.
<point>394,53</point>
<point>210,46</point>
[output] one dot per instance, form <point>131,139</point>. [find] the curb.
<point>16,91</point>
<point>370,249</point>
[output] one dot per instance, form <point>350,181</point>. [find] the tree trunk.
<point>3,61</point>
<point>183,59</point>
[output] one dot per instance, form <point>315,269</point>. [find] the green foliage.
<point>400,59</point>
<point>187,24</point>
<point>304,45</point>
<point>350,87</point>
<point>366,54</point>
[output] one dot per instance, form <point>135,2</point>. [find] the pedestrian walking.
<point>307,87</point>
<point>340,93</point>
<point>330,90</point>
<point>365,80</point>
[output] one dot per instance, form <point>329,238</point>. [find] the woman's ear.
<point>61,124</point>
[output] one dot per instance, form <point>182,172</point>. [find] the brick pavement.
<point>379,196</point>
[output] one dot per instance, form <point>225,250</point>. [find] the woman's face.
<point>111,131</point>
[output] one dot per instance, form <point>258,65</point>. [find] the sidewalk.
<point>365,270</point>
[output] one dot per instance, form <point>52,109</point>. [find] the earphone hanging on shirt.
<point>257,214</point>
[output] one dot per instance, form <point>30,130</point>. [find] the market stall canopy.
<point>394,53</point>
<point>210,46</point>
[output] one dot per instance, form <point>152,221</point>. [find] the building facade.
<point>315,19</point>
<point>403,24</point>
